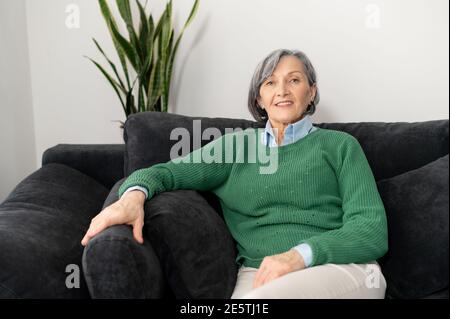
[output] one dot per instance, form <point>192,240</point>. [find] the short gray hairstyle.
<point>265,69</point>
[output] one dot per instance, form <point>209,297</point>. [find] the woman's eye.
<point>269,83</point>
<point>295,80</point>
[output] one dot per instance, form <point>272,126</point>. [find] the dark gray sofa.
<point>188,252</point>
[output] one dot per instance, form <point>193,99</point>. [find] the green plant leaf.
<point>166,28</point>
<point>150,48</point>
<point>146,41</point>
<point>192,14</point>
<point>166,34</point>
<point>143,29</point>
<point>113,66</point>
<point>141,101</point>
<point>109,19</point>
<point>167,74</point>
<point>127,48</point>
<point>169,50</point>
<point>150,101</point>
<point>125,13</point>
<point>177,43</point>
<point>154,90</point>
<point>159,25</point>
<point>130,103</point>
<point>113,82</point>
<point>175,49</point>
<point>151,24</point>
<point>130,98</point>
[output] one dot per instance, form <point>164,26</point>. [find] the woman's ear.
<point>313,91</point>
<point>258,100</point>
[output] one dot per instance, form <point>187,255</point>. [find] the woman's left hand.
<point>278,265</point>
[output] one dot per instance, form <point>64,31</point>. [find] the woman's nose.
<point>282,90</point>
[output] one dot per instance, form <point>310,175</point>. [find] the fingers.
<point>270,277</point>
<point>257,280</point>
<point>137,231</point>
<point>260,276</point>
<point>97,225</point>
<point>117,214</point>
<point>268,271</point>
<point>265,277</point>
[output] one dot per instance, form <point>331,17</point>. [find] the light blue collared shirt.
<point>292,133</point>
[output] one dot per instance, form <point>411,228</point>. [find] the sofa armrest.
<point>103,162</point>
<point>115,266</point>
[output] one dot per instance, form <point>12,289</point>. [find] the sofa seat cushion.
<point>417,208</point>
<point>42,222</point>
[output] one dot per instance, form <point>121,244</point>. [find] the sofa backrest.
<point>148,141</point>
<point>395,148</point>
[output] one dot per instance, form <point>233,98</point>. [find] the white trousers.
<point>329,281</point>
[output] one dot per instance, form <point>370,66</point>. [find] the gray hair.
<point>265,69</point>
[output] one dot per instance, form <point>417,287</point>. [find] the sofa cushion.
<point>148,136</point>
<point>196,250</point>
<point>42,222</point>
<point>417,208</point>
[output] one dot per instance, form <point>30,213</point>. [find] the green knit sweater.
<point>322,193</point>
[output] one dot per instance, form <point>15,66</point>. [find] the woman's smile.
<point>284,103</point>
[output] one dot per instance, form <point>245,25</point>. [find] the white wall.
<point>376,61</point>
<point>397,72</point>
<point>18,153</point>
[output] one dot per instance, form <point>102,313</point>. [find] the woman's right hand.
<point>129,210</point>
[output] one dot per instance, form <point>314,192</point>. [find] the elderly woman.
<point>313,228</point>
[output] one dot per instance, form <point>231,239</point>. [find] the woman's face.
<point>288,84</point>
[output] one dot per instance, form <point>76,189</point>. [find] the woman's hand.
<point>276,266</point>
<point>129,210</point>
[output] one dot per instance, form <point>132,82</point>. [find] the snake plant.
<point>150,52</point>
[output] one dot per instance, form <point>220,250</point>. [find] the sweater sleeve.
<point>203,169</point>
<point>363,234</point>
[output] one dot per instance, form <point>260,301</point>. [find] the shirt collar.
<point>292,133</point>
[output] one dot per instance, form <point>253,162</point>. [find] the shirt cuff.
<point>306,252</point>
<point>139,188</point>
